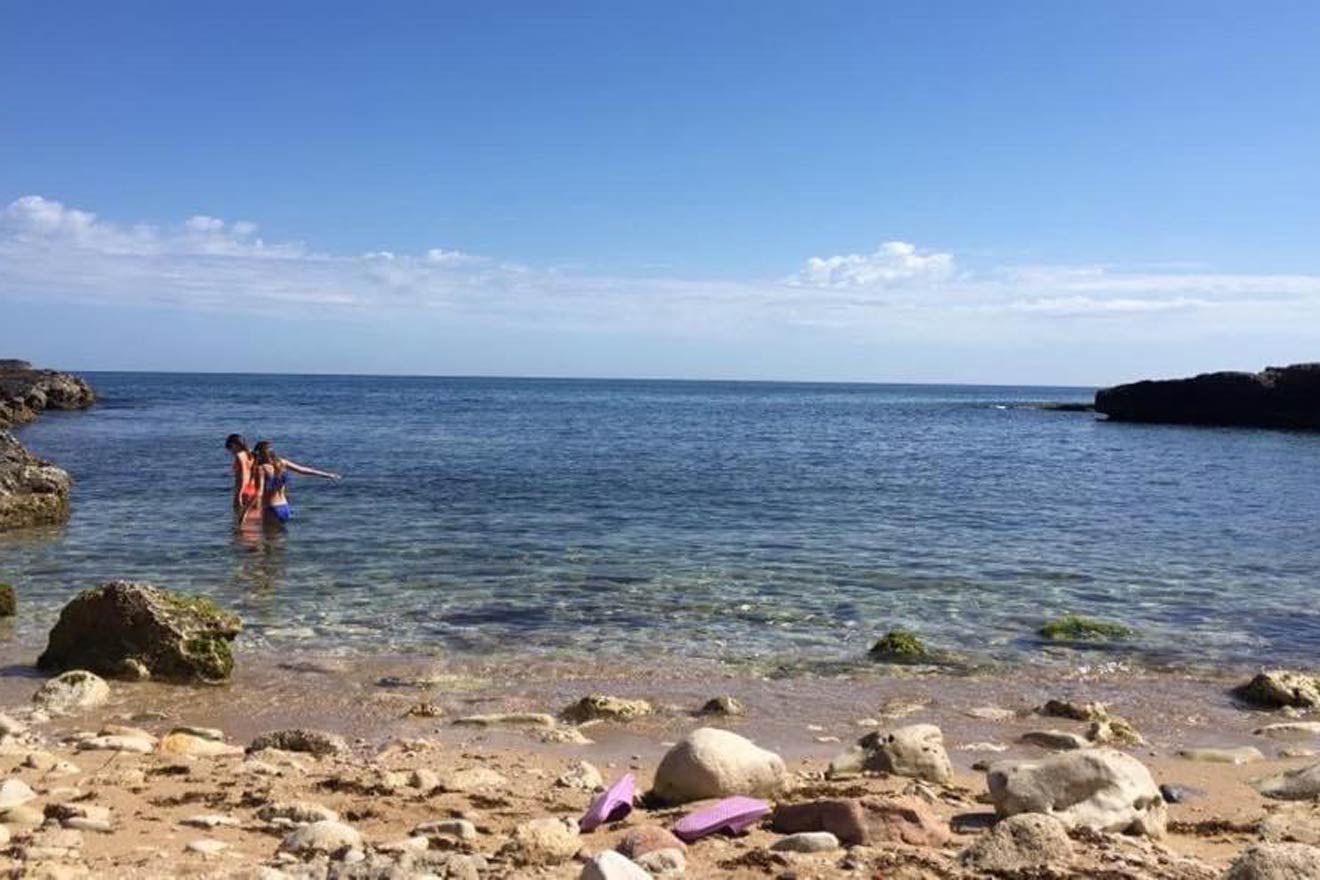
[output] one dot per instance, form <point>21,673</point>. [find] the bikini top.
<point>277,482</point>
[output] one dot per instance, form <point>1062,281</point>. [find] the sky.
<point>990,192</point>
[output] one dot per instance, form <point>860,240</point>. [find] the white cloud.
<point>50,250</point>
<point>893,263</point>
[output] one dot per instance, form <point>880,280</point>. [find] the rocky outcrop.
<point>25,392</point>
<point>33,492</point>
<point>1277,397</point>
<point>126,629</point>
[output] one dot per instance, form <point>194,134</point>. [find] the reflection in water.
<point>260,553</point>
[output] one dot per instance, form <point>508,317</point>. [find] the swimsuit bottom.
<point>280,512</point>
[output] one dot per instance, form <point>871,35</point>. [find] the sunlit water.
<point>780,524</point>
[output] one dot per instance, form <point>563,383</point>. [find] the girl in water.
<point>272,475</point>
<point>246,487</point>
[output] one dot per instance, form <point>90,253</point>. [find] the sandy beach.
<point>160,805</point>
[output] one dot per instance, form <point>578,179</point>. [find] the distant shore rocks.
<point>33,491</point>
<point>26,391</point>
<point>1276,397</point>
<point>136,630</point>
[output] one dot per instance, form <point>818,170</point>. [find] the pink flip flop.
<point>610,805</point>
<point>732,815</point>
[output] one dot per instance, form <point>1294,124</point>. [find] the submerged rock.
<point>900,646</point>
<point>711,763</point>
<point>1075,628</point>
<point>1099,789</point>
<point>174,636</point>
<point>8,601</point>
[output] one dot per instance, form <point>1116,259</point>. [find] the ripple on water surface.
<point>769,523</point>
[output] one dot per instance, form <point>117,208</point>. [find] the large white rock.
<point>1101,789</point>
<point>712,763</point>
<point>916,751</point>
<point>71,692</point>
<point>610,865</point>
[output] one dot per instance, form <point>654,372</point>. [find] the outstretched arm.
<point>309,471</point>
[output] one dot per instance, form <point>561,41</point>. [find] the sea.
<point>762,525</point>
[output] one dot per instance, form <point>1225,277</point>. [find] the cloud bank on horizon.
<point>53,252</point>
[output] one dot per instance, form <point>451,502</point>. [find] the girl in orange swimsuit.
<point>246,477</point>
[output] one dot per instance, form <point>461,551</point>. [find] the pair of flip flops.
<point>732,815</point>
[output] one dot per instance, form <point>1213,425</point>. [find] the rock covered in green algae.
<point>900,646</point>
<point>1075,628</point>
<point>121,626</point>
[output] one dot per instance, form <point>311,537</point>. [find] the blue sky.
<point>996,192</point>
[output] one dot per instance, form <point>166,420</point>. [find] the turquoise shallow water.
<point>780,524</point>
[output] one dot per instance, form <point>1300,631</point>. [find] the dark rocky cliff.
<point>1276,397</point>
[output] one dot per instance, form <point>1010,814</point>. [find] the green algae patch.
<point>1075,628</point>
<point>900,646</point>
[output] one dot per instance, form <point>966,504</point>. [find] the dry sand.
<point>374,787</point>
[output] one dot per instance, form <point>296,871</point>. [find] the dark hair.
<point>236,442</point>
<point>265,454</point>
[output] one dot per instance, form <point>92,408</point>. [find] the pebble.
<point>85,823</point>
<point>298,739</point>
<point>1240,755</point>
<point>131,744</point>
<point>208,820</point>
<point>457,829</point>
<point>181,743</point>
<point>723,705</point>
<point>1289,729</point>
<point>15,793</point>
<point>326,836</point>
<point>807,842</point>
<point>610,865</point>
<point>424,779</point>
<point>206,846</point>
<point>507,719</point>
<point>581,775</point>
<point>991,713</point>
<point>664,864</point>
<point>298,812</point>
<point>1058,740</point>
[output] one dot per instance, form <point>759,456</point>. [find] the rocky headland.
<point>1276,397</point>
<point>33,491</point>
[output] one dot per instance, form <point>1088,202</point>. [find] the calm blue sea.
<point>779,524</point>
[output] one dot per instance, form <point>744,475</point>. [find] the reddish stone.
<point>903,820</point>
<point>647,838</point>
<point>842,817</point>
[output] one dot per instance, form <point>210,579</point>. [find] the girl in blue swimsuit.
<point>272,471</point>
